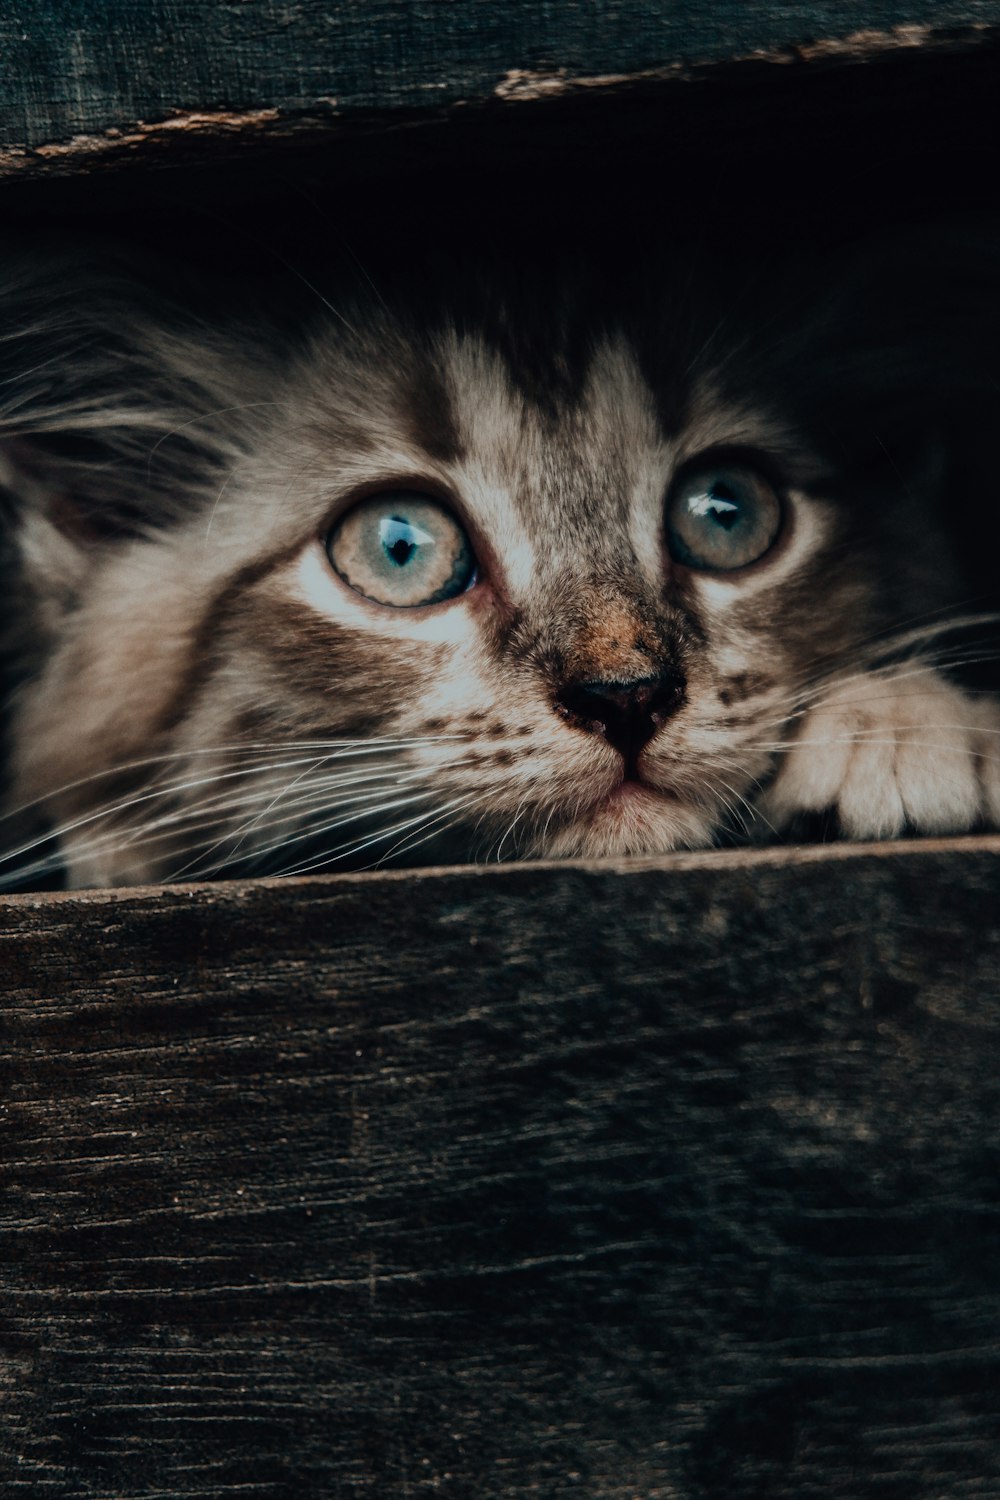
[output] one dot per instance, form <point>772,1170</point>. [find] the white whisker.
<point>345,851</point>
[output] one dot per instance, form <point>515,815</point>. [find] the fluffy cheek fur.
<point>302,740</point>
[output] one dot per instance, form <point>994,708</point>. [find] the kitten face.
<point>241,690</point>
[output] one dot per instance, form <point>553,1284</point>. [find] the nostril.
<point>627,714</point>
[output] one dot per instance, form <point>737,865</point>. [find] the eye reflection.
<point>401,539</point>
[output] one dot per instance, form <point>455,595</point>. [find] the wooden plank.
<point>678,1179</point>
<point>84,79</point>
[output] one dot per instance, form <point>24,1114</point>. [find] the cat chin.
<point>631,822</point>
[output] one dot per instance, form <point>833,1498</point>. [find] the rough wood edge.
<point>186,134</point>
<point>789,857</point>
<point>863,46</point>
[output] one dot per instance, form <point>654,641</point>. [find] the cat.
<point>498,561</point>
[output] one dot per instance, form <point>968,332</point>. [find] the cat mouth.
<point>633,817</point>
<point>629,790</point>
<point>630,798</point>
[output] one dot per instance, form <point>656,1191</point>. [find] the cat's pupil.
<point>399,540</point>
<point>724,507</point>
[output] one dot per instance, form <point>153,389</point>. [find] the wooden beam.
<point>679,1178</point>
<point>85,82</point>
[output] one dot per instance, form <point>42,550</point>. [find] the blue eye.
<point>402,549</point>
<point>722,518</point>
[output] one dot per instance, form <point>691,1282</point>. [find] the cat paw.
<point>889,752</point>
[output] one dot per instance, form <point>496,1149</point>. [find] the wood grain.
<point>678,1179</point>
<point>82,78</point>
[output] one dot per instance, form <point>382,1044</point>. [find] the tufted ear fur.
<point>48,549</point>
<point>120,402</point>
<point>123,409</point>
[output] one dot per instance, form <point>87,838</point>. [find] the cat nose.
<point>627,714</point>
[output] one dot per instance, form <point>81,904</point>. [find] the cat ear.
<point>47,551</point>
<point>113,396</point>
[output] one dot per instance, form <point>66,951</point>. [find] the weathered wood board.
<point>679,1179</point>
<point>83,81</point>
